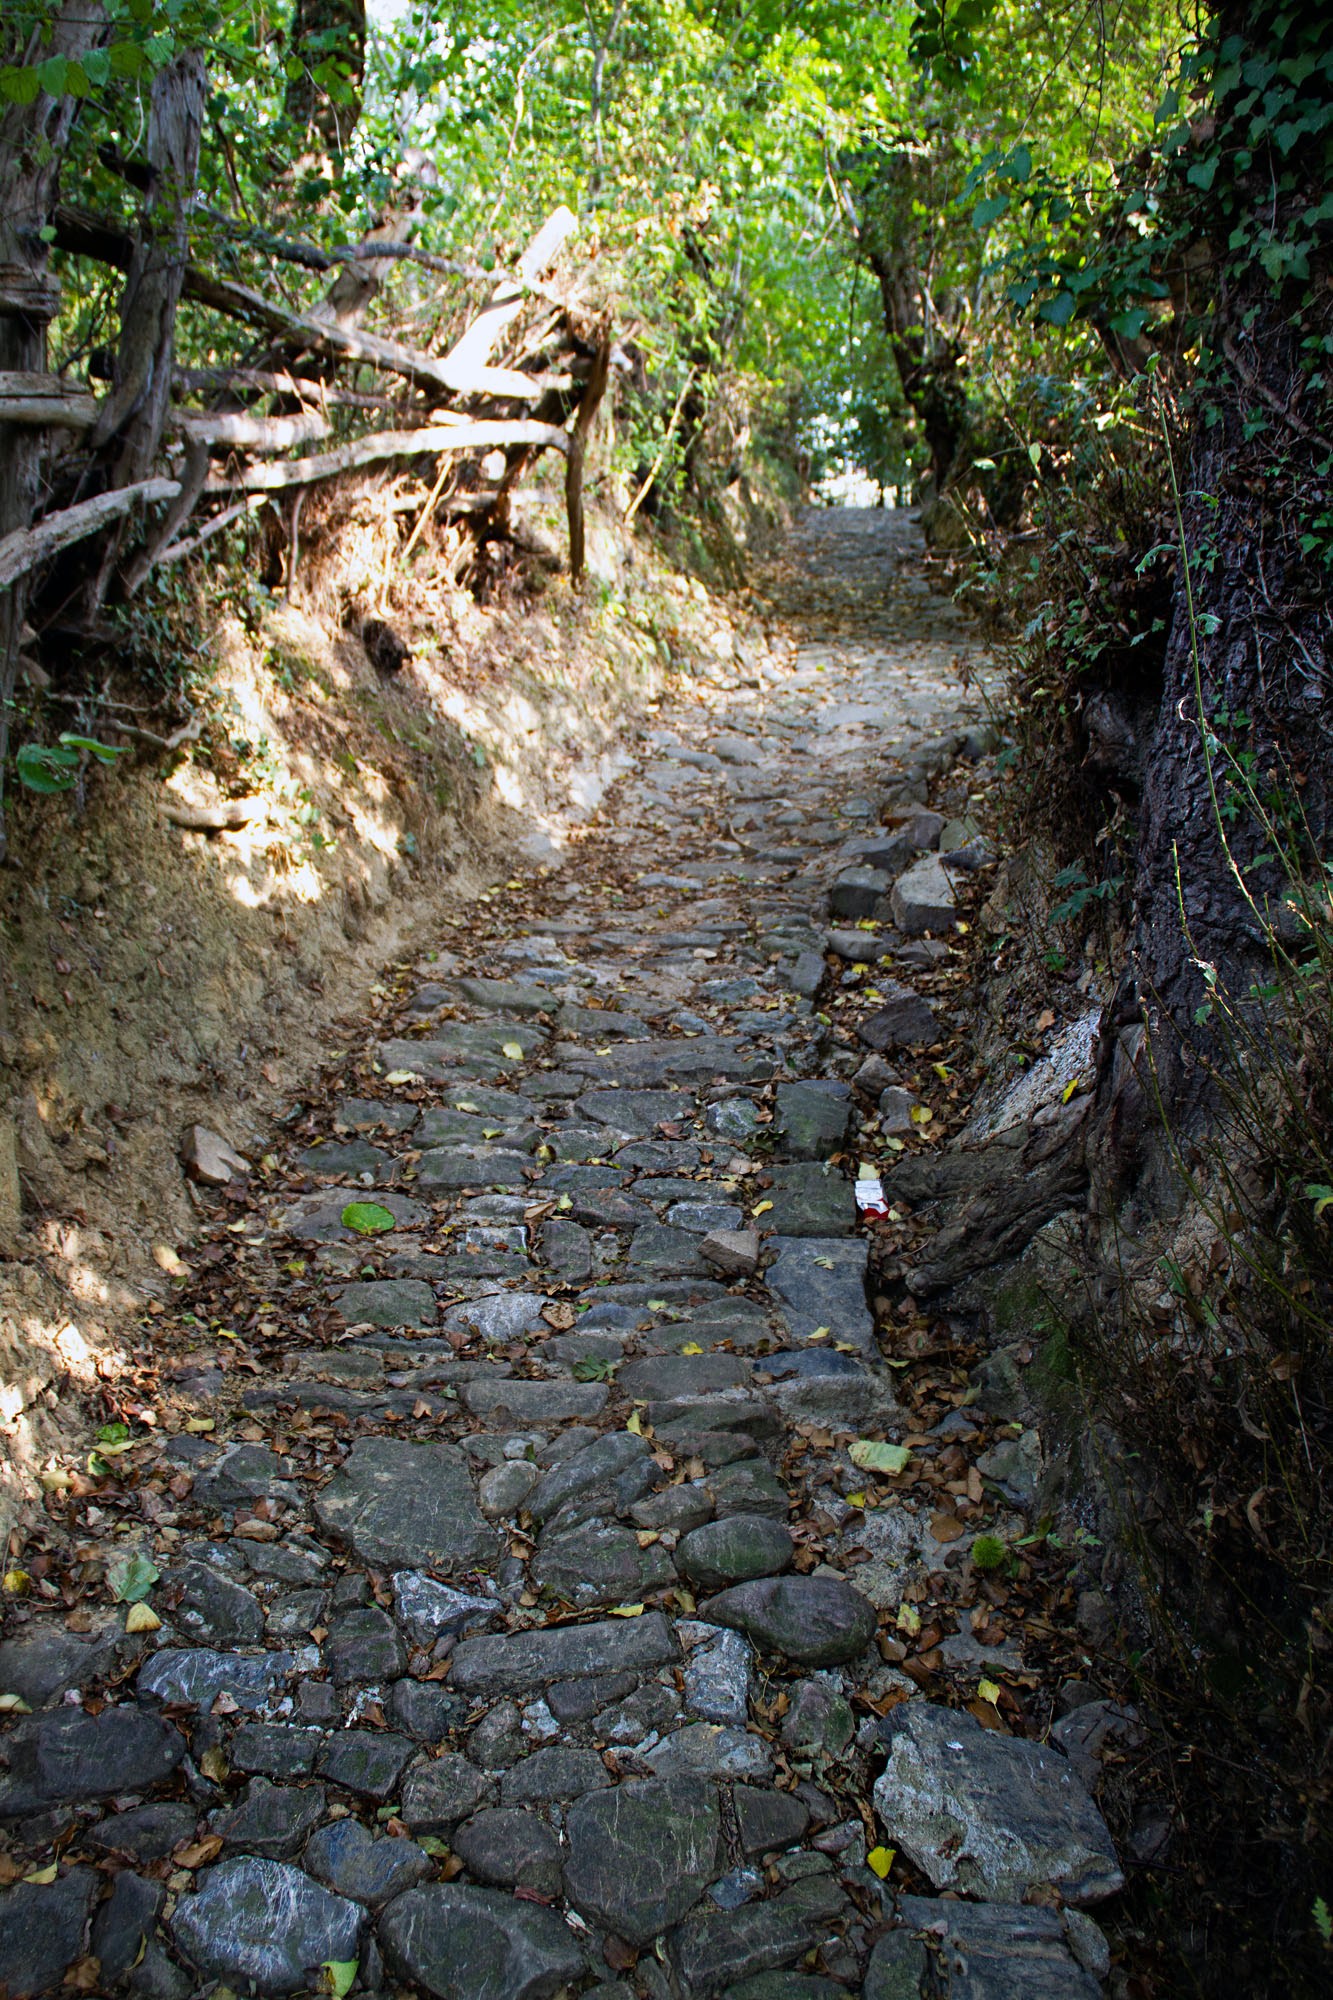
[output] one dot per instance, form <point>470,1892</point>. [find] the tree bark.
<point>130,423</point>
<point>33,139</point>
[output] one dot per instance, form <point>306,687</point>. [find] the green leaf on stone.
<point>594,1370</point>
<point>131,1579</point>
<point>113,1433</point>
<point>339,1975</point>
<point>870,1455</point>
<point>367,1218</point>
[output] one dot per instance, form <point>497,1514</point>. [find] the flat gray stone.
<point>787,1986</point>
<point>507,1848</point>
<point>641,1856</point>
<point>42,1929</point>
<point>317,1218</point>
<point>923,899</point>
<point>207,1605</point>
<point>368,1762</point>
<point>197,1676</point>
<point>734,1550</point>
<point>350,1156</point>
<point>598,1565</point>
<point>717,1674</point>
<point>561,1771</point>
<point>693,1058</point>
<point>638,1112</point>
<point>517,1661</point>
<point>506,1488</point>
<point>767,1820</point>
<point>903,1020</point>
<point>42,1663</point>
<point>702,1218</point>
<point>67,1755</point>
<point>275,1749</point>
<point>668,1377</point>
<point>534,1401</point>
<point>478,1944</point>
<point>991,1816</point>
<point>991,1951</point>
<point>498,1316</point>
<point>264,1921</point>
<point>667,1253</point>
<point>810,1200</point>
<point>273,1820</point>
<point>597,1465</point>
<point>388,1302</point>
<point>709,1952</point>
<point>364,1644</point>
<point>820,1281</point>
<point>817,1621</point>
<point>145,1833</point>
<point>503,996</point>
<point>711,1750</point>
<point>446,1167</point>
<point>440,1791</point>
<point>348,1859</point>
<point>812,1118</point>
<point>733,1252</point>
<point>427,1609</point>
<point>124,1922</point>
<point>856,893</point>
<point>406,1506</point>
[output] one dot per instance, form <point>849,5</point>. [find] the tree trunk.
<point>1248,676</point>
<point>130,423</point>
<point>33,139</point>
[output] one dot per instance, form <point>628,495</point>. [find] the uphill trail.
<point>555,1554</point>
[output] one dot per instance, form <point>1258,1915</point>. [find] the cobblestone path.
<point>546,1605</point>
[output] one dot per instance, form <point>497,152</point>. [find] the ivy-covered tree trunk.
<point>33,139</point>
<point>1244,731</point>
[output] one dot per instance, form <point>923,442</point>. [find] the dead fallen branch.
<point>383,445</point>
<point>26,547</point>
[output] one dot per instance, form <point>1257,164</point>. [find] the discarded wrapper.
<point>870,1198</point>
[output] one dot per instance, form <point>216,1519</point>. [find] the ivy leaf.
<point>339,1976</point>
<point>989,211</point>
<point>131,1579</point>
<point>1059,310</point>
<point>367,1218</point>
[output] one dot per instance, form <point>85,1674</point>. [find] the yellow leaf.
<point>141,1618</point>
<point>685,1603</point>
<point>881,1860</point>
<point>820,1333</point>
<point>941,1071</point>
<point>856,1499</point>
<point>42,1874</point>
<point>761,1208</point>
<point>402,1076</point>
<point>17,1583</point>
<point>214,1764</point>
<point>200,1424</point>
<point>13,1704</point>
<point>691,1347</point>
<point>909,1620</point>
<point>491,1131</point>
<point>921,1114</point>
<point>871,1455</point>
<point>225,1333</point>
<point>465,1104</point>
<point>514,1049</point>
<point>988,1691</point>
<point>635,1425</point>
<point>625,1611</point>
<point>1070,1088</point>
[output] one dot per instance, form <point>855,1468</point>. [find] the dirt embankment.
<point>155,974</point>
